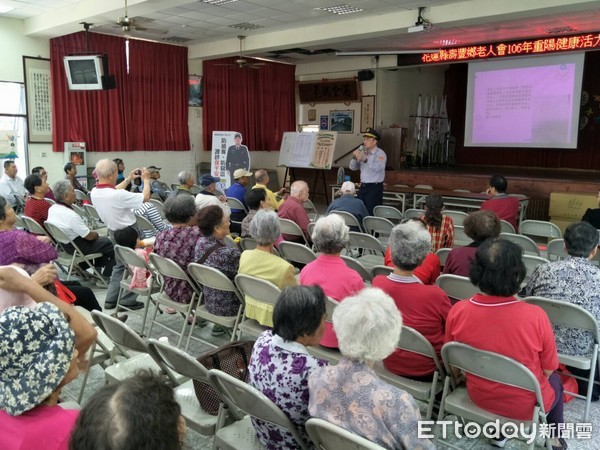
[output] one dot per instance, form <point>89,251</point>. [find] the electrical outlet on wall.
<point>43,154</point>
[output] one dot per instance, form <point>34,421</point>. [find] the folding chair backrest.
<point>289,227</point>
<point>169,268</point>
<point>349,219</point>
<point>531,262</point>
<point>234,203</point>
<point>442,254</point>
<point>213,278</point>
<point>413,341</point>
<point>159,206</point>
<point>460,237</point>
<point>144,224</point>
<point>567,314</point>
<point>491,366</point>
<point>423,186</point>
<point>229,242</point>
<point>123,336</point>
<point>257,288</point>
<point>248,243</point>
<point>358,267</point>
<point>251,401</point>
<point>381,270</point>
<point>556,249</point>
<point>527,244</point>
<point>129,257</point>
<point>33,227</point>
<point>328,436</point>
<point>540,228</point>
<point>92,212</point>
<point>456,286</point>
<point>458,217</point>
<point>365,241</point>
<point>506,227</point>
<point>177,360</point>
<point>58,234</point>
<point>330,306</point>
<point>379,225</point>
<point>413,213</point>
<point>19,222</point>
<point>388,212</point>
<point>294,252</point>
<point>81,196</point>
<point>80,211</point>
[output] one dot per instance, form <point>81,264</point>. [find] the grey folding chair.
<point>556,250</point>
<point>380,227</point>
<point>349,219</point>
<point>248,243</point>
<point>531,262</point>
<point>294,252</point>
<point>419,199</point>
<point>50,201</point>
<point>442,254</point>
<point>413,341</point>
<point>146,226</point>
<point>182,363</point>
<point>494,367</point>
<point>413,213</point>
<point>160,207</point>
<point>93,215</point>
<point>166,267</point>
<point>130,260</point>
<point>460,237</point>
<point>20,223</point>
<point>126,340</point>
<point>19,203</point>
<point>381,270</point>
<point>327,436</point>
<point>77,257</point>
<point>82,196</point>
<point>565,314</point>
<point>240,396</point>
<point>526,243</point>
<point>458,217</point>
<point>356,265</point>
<point>388,212</point>
<point>311,228</point>
<point>215,279</point>
<point>540,231</point>
<point>368,249</point>
<point>291,228</point>
<point>33,226</point>
<point>258,289</point>
<point>506,227</point>
<point>234,203</point>
<point>310,209</point>
<point>457,287</point>
<point>332,355</point>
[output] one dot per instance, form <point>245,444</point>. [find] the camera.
<point>138,172</point>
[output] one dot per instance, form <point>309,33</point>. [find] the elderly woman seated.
<point>212,252</point>
<point>330,237</point>
<point>262,263</point>
<point>116,413</point>
<point>280,364</point>
<point>179,242</point>
<point>424,307</point>
<point>498,322</point>
<point>479,226</point>
<point>350,394</point>
<point>42,340</point>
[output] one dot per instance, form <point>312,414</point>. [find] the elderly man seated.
<point>575,280</point>
<point>293,209</point>
<point>505,207</point>
<point>187,181</point>
<point>262,180</point>
<point>349,203</point>
<point>62,215</point>
<point>11,184</point>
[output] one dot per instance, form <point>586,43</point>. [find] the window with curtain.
<point>259,103</point>
<point>147,110</point>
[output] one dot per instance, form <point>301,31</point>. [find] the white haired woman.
<point>331,235</point>
<point>368,327</point>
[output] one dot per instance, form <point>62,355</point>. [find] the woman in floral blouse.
<point>212,252</point>
<point>280,364</point>
<point>350,394</point>
<point>178,243</point>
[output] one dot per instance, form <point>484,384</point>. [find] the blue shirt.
<point>373,169</point>
<point>351,204</point>
<point>238,191</point>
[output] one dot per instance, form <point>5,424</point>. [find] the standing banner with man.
<point>228,155</point>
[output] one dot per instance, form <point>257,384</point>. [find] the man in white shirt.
<point>11,184</point>
<point>72,224</point>
<point>114,205</point>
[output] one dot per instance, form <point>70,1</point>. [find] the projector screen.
<point>524,102</point>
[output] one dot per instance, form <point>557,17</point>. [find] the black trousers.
<point>371,194</point>
<point>101,245</point>
<point>84,296</point>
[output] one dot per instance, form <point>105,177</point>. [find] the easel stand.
<point>320,173</point>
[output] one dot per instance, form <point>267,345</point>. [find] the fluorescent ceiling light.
<point>340,9</point>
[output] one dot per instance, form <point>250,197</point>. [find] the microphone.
<point>361,147</point>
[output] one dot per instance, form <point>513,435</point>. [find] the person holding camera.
<point>114,205</point>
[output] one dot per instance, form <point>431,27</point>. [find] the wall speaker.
<point>365,75</point>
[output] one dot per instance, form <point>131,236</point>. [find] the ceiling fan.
<point>243,63</point>
<point>129,24</point>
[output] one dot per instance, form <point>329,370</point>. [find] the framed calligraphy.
<point>367,113</point>
<point>38,97</point>
<point>341,90</point>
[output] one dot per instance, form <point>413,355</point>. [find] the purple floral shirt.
<point>280,370</point>
<point>23,248</point>
<point>178,244</point>
<point>227,260</point>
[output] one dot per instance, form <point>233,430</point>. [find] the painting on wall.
<point>341,121</point>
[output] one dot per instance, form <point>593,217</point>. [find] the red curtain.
<point>135,115</point>
<point>257,102</point>
<point>585,156</point>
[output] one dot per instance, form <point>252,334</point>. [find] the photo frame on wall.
<point>341,121</point>
<point>367,112</point>
<point>38,97</point>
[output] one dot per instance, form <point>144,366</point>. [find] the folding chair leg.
<point>432,396</point>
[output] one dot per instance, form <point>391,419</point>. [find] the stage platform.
<point>535,183</point>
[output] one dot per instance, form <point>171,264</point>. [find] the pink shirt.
<point>43,427</point>
<point>337,280</point>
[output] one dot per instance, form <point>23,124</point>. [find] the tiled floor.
<point>573,409</point>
